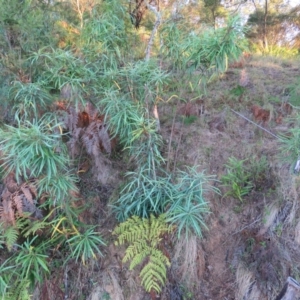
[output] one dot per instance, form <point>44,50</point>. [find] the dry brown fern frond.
<point>96,138</point>
<point>17,203</point>
<point>7,216</point>
<point>87,130</point>
<point>17,199</point>
<point>27,192</point>
<point>11,183</point>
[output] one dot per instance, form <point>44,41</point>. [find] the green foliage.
<point>11,233</point>
<point>144,237</point>
<point>188,206</point>
<point>61,71</point>
<point>176,43</point>
<point>214,49</point>
<point>259,172</point>
<point>33,149</point>
<point>208,51</point>
<point>183,201</point>
<point>4,277</point>
<point>59,186</point>
<point>32,261</point>
<point>29,99</point>
<point>27,25</point>
<point>215,10</point>
<point>52,52</point>
<point>19,291</point>
<point>85,245</point>
<point>189,120</point>
<point>237,179</point>
<point>290,145</point>
<point>294,93</point>
<point>142,196</point>
<point>105,36</point>
<point>275,50</point>
<point>237,91</point>
<point>275,23</point>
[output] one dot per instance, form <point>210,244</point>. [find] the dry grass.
<point>297,233</point>
<point>189,260</point>
<point>246,285</point>
<point>270,215</point>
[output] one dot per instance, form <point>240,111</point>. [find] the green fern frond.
<point>23,293</point>
<point>135,229</point>
<point>159,258</point>
<point>20,291</point>
<point>136,248</point>
<point>130,231</point>
<point>34,227</point>
<point>11,235</point>
<point>144,237</point>
<point>139,257</point>
<point>153,271</point>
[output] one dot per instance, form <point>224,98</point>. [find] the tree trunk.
<point>148,53</point>
<point>265,39</point>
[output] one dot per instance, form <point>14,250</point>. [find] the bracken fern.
<point>144,237</point>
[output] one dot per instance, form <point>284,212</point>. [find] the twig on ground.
<point>262,128</point>
<point>240,230</point>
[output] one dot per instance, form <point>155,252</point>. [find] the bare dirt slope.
<point>251,246</point>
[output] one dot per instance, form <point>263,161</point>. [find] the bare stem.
<point>155,28</point>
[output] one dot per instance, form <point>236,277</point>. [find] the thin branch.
<point>266,130</point>
<point>243,228</point>
<point>178,146</point>
<point>171,138</point>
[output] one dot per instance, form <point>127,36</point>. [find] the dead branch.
<point>290,291</point>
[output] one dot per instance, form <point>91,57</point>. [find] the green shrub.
<point>33,149</point>
<point>188,206</point>
<point>32,261</point>
<point>237,179</point>
<point>85,245</point>
<point>290,145</point>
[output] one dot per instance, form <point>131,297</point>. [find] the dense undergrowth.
<point>75,88</point>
